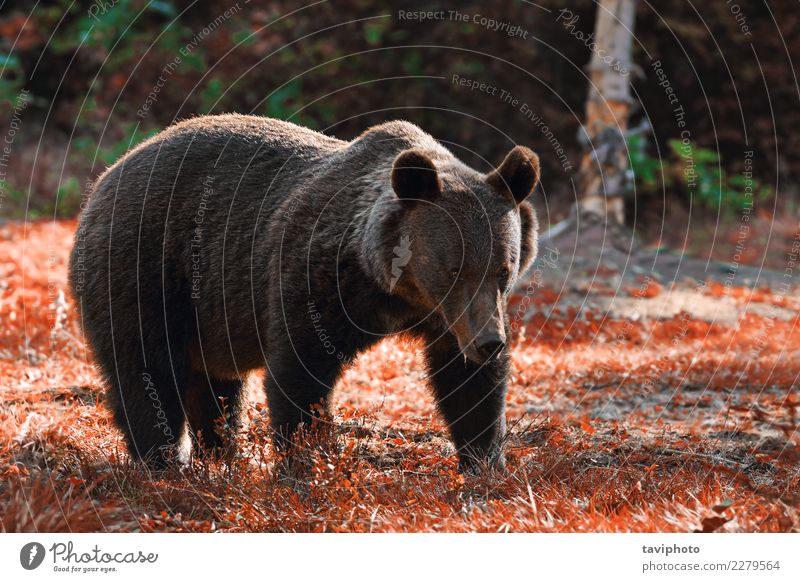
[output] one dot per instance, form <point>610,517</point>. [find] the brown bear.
<point>230,243</point>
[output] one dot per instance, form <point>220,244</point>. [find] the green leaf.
<point>243,37</point>
<point>373,32</point>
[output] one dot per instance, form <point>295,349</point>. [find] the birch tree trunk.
<point>602,175</point>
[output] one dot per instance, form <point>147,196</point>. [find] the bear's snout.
<point>481,331</point>
<point>489,345</point>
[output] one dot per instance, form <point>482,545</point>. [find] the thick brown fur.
<point>230,243</point>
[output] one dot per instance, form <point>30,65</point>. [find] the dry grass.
<point>617,425</point>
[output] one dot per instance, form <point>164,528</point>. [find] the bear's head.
<point>461,240</point>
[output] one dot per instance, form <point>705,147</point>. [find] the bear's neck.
<point>380,233</point>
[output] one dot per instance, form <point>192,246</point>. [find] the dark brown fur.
<point>230,243</point>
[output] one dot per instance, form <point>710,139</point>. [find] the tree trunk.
<point>603,171</point>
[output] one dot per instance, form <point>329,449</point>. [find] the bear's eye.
<point>454,273</point>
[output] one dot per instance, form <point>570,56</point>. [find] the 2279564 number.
<point>744,565</point>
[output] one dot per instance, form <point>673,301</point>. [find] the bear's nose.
<point>489,345</point>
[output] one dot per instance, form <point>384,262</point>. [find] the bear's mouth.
<point>472,354</point>
<point>468,345</point>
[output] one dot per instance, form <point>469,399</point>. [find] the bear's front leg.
<point>471,397</point>
<point>298,390</point>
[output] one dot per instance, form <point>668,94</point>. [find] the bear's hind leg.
<point>214,404</point>
<point>146,365</point>
<point>147,406</point>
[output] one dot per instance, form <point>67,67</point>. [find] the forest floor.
<point>650,392</point>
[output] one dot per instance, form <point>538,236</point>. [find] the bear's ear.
<point>415,176</point>
<point>529,237</point>
<point>517,175</point>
